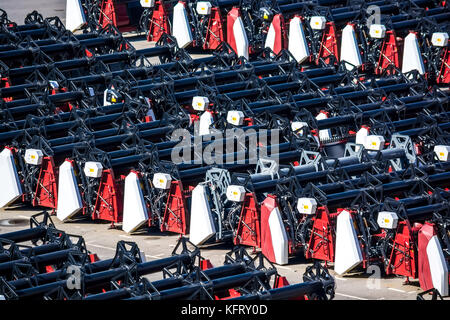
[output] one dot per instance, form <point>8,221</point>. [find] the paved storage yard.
<point>155,244</point>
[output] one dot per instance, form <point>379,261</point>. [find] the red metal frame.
<point>46,194</point>
<point>214,33</point>
<point>109,203</point>
<point>329,44</point>
<point>159,23</point>
<point>389,55</point>
<point>176,213</point>
<point>249,231</point>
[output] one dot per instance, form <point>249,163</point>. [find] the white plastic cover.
<point>204,7</point>
<point>69,199</point>
<point>200,103</point>
<point>348,251</point>
<point>162,180</point>
<point>11,188</point>
<point>324,134</point>
<point>279,237</point>
<point>439,39</point>
<point>442,152</point>
<point>240,37</point>
<point>361,136</point>
<point>134,209</point>
<point>33,156</point>
<point>307,205</point>
<point>235,117</point>
<point>93,169</point>
<point>438,266</point>
<point>298,46</point>
<point>374,142</point>
<point>318,22</point>
<point>235,193</point>
<point>387,220</point>
<point>202,224</point>
<point>74,15</point>
<point>349,48</point>
<point>412,57</point>
<point>180,26</point>
<point>147,3</point>
<point>270,39</point>
<point>377,31</point>
<point>206,119</point>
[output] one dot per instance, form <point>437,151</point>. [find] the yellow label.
<point>377,31</point>
<point>199,104</point>
<point>33,157</point>
<point>266,17</point>
<point>235,193</point>
<point>386,220</point>
<point>374,143</point>
<point>234,119</point>
<point>113,99</point>
<point>439,40</point>
<point>91,170</point>
<point>441,154</point>
<point>305,206</point>
<point>161,181</point>
<point>317,23</point>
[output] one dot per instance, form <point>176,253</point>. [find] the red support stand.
<point>46,194</point>
<point>175,214</point>
<point>108,205</point>
<point>159,24</point>
<point>248,230</point>
<point>329,44</point>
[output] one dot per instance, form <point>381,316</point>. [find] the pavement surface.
<point>155,245</point>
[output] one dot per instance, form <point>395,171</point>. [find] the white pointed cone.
<point>206,119</point>
<point>279,237</point>
<point>297,40</point>
<point>202,224</point>
<point>10,187</point>
<point>348,251</point>
<point>134,209</point>
<point>75,18</point>
<point>412,57</point>
<point>438,266</point>
<point>349,48</point>
<point>69,199</point>
<point>180,26</point>
<point>240,37</point>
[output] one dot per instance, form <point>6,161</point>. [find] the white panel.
<point>348,250</point>
<point>202,224</point>
<point>10,187</point>
<point>349,48</point>
<point>134,209</point>
<point>297,40</point>
<point>69,199</point>
<point>235,193</point>
<point>180,26</point>
<point>74,15</point>
<point>240,37</point>
<point>33,156</point>
<point>438,266</point>
<point>442,152</point>
<point>412,57</point>
<point>270,39</point>
<point>147,3</point>
<point>307,205</point>
<point>206,119</point>
<point>279,237</point>
<point>387,220</point>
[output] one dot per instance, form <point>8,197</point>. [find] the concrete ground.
<point>101,240</point>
